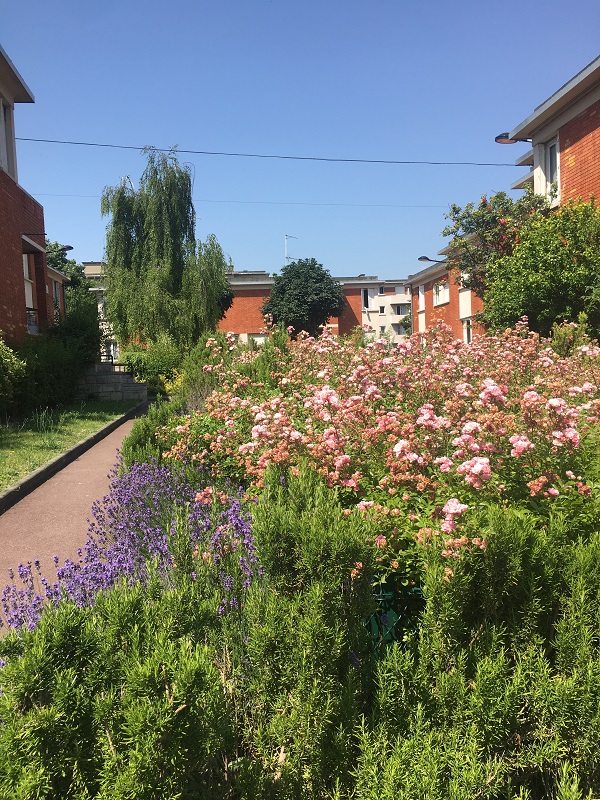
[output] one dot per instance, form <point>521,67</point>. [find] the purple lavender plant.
<point>134,525</point>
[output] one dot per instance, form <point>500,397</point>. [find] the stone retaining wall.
<point>107,382</point>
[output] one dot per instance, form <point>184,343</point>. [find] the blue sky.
<point>378,79</point>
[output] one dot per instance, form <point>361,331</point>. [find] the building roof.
<point>563,97</point>
<point>428,272</point>
<point>9,76</point>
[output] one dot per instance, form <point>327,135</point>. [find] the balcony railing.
<point>32,322</point>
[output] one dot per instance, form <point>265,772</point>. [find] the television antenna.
<point>285,238</point>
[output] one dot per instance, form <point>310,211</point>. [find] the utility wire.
<point>263,202</point>
<point>264,155</point>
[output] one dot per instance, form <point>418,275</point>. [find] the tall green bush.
<point>12,373</point>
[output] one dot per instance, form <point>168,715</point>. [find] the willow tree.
<point>157,278</point>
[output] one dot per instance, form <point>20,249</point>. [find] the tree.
<point>552,273</point>
<point>484,232</point>
<point>304,296</point>
<point>153,262</point>
<point>81,323</point>
<point>206,291</point>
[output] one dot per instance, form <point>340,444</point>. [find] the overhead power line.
<point>263,202</point>
<point>271,155</point>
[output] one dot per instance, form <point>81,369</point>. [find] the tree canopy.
<point>485,231</point>
<point>304,296</point>
<point>81,323</point>
<point>158,279</point>
<point>552,273</point>
<point>524,258</point>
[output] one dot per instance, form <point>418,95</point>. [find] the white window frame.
<point>440,293</point>
<point>547,147</point>
<point>3,140</point>
<point>467,326</point>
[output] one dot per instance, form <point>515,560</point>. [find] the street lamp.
<point>64,249</point>
<point>505,138</point>
<point>432,260</point>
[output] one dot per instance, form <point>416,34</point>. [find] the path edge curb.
<point>11,496</point>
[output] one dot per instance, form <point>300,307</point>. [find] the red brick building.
<point>564,132</point>
<point>438,297</point>
<point>380,305</point>
<point>30,292</point>
<point>564,162</point>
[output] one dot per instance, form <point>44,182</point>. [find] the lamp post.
<point>505,138</point>
<point>432,260</point>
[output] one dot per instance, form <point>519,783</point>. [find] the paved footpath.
<point>53,518</point>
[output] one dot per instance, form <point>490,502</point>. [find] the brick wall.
<point>19,214</point>
<point>351,316</point>
<point>448,312</point>
<point>580,156</point>
<point>245,315</point>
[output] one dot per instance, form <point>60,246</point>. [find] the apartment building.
<point>380,305</point>
<point>439,297</point>
<point>564,133</point>
<point>31,293</point>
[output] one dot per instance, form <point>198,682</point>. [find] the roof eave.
<point>571,91</point>
<point>20,91</point>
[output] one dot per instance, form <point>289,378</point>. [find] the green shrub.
<point>53,367</point>
<point>12,373</point>
<point>122,700</point>
<point>155,364</point>
<point>55,360</point>
<point>142,443</point>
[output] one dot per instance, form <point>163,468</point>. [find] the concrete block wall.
<point>105,382</point>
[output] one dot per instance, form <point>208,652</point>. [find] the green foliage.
<point>206,294</point>
<point>158,281</point>
<point>486,231</point>
<point>551,274</point>
<point>154,364</point>
<point>12,373</point>
<point>56,257</point>
<point>142,444</point>
<point>53,364</point>
<point>304,535</point>
<point>118,701</point>
<point>304,296</point>
<point>203,365</point>
<point>568,336</point>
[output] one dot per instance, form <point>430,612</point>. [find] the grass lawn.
<point>46,434</point>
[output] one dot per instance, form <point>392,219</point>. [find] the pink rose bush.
<point>426,423</point>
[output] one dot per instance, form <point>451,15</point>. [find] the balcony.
<point>32,322</point>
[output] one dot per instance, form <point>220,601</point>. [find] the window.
<point>382,328</point>
<point>382,290</point>
<point>382,309</point>
<point>551,162</point>
<point>551,168</point>
<point>440,293</point>
<point>365,295</point>
<point>402,309</point>
<point>467,330</point>
<point>56,292</point>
